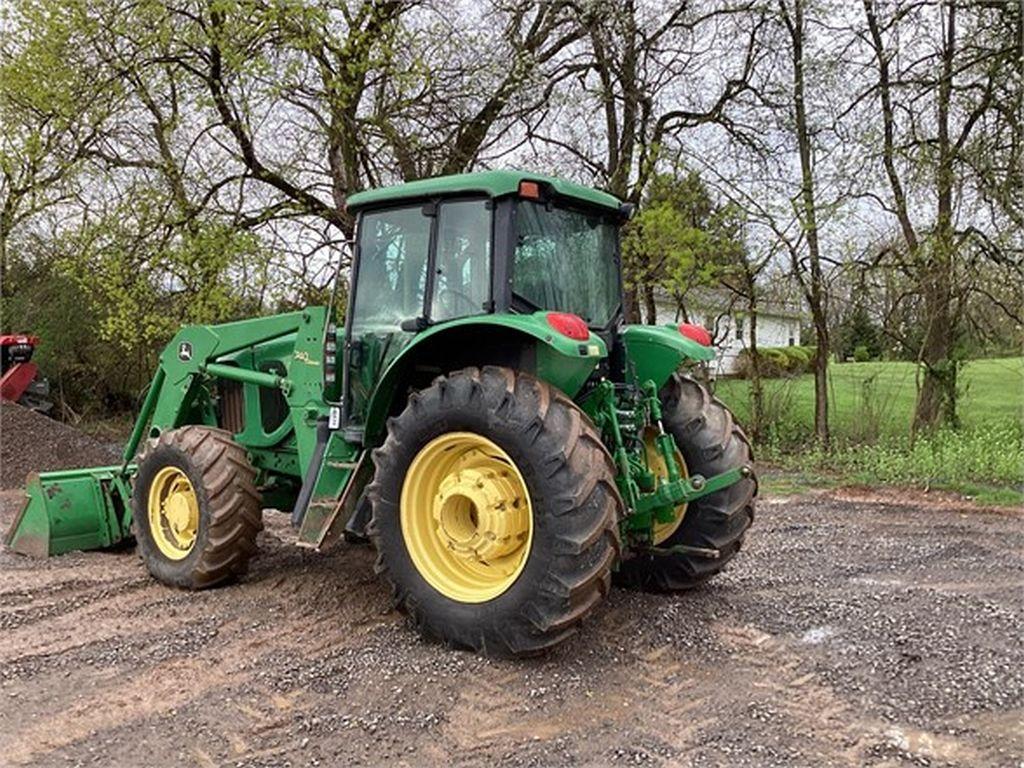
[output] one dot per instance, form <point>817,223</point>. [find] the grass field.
<point>869,396</point>
<point>871,408</point>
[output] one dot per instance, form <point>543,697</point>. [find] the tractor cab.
<point>499,242</point>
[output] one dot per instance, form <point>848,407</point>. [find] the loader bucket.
<point>72,510</point>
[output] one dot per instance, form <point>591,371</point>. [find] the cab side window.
<point>393,248</point>
<point>462,276</point>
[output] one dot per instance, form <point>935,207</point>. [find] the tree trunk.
<point>937,398</point>
<point>821,356</point>
<point>630,305</point>
<point>756,385</point>
<point>6,225</point>
<point>650,308</point>
<point>5,290</point>
<point>814,286</point>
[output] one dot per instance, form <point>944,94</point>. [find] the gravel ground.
<point>853,630</point>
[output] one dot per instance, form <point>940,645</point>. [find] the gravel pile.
<point>32,442</point>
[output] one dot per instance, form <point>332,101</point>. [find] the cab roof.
<point>490,183</point>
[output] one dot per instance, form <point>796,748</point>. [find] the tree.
<point>942,108</point>
<point>680,239</point>
<point>743,279</point>
<point>858,330</point>
<point>629,71</point>
<point>808,270</point>
<point>52,110</point>
<point>785,165</point>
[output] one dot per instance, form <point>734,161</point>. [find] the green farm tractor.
<point>483,415</point>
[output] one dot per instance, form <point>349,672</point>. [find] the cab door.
<point>389,289</point>
<point>416,265</point>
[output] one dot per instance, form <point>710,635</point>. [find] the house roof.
<point>722,301</point>
<point>490,183</point>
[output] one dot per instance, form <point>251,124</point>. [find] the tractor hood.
<point>656,351</point>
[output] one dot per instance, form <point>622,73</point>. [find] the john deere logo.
<point>184,351</point>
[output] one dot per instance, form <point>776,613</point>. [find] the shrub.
<point>776,356</point>
<point>861,354</point>
<point>993,453</point>
<point>798,358</point>
<point>989,454</point>
<point>857,330</point>
<point>775,362</point>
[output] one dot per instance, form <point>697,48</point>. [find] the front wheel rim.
<point>173,511</point>
<point>466,517</point>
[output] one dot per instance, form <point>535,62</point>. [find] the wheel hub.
<point>173,513</point>
<point>480,513</point>
<point>466,517</point>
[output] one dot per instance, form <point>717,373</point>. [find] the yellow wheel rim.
<point>466,517</point>
<point>656,463</point>
<point>173,513</point>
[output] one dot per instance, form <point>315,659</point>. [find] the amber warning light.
<point>529,189</point>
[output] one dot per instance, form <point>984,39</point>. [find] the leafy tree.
<point>951,98</point>
<point>859,331</point>
<point>53,109</point>
<point>678,240</point>
<point>617,113</point>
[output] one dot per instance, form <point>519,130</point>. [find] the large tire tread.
<point>229,502</point>
<point>558,449</point>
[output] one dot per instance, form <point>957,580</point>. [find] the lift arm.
<point>91,508</point>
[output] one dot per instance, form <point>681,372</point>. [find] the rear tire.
<point>711,442</point>
<point>569,478</point>
<point>229,511</point>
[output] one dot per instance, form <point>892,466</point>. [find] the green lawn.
<point>871,400</point>
<point>871,407</point>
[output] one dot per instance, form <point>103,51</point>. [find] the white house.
<point>778,325</point>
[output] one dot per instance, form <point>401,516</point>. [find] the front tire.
<point>195,508</point>
<point>710,442</point>
<point>495,513</point>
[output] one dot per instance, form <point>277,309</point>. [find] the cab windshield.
<point>565,259</point>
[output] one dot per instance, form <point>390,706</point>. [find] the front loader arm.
<point>91,508</point>
<point>193,354</point>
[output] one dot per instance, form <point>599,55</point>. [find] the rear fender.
<point>654,352</point>
<point>485,340</point>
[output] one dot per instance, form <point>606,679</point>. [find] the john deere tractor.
<point>484,416</point>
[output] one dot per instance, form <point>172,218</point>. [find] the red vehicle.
<point>18,373</point>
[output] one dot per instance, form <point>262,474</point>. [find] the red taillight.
<point>696,332</point>
<point>568,324</point>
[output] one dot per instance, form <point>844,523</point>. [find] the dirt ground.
<point>851,631</point>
